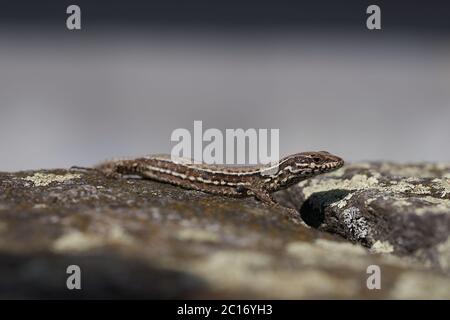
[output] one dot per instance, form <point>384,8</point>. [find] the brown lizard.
<point>258,181</point>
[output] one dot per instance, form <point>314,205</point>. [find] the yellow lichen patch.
<point>343,247</point>
<point>234,270</point>
<point>406,187</point>
<point>329,253</point>
<point>342,203</point>
<point>42,179</point>
<point>40,206</point>
<point>76,241</point>
<point>415,285</point>
<point>443,185</point>
<point>337,173</point>
<point>116,234</point>
<point>421,189</point>
<point>401,186</point>
<point>357,182</point>
<point>197,235</point>
<point>382,247</point>
<point>79,241</point>
<point>402,202</point>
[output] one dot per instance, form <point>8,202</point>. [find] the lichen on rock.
<point>136,238</point>
<point>375,203</point>
<point>40,179</point>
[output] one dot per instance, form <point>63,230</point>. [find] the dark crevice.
<point>312,210</point>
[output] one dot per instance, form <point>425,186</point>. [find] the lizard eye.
<point>316,159</point>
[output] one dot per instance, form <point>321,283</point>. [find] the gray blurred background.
<point>138,70</point>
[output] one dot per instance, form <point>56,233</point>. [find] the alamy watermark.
<point>374,280</point>
<point>233,147</point>
<point>73,21</point>
<point>74,279</point>
<point>373,22</point>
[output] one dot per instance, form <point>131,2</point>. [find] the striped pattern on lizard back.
<point>226,180</point>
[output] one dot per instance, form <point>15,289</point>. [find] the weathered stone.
<point>137,238</point>
<point>399,209</point>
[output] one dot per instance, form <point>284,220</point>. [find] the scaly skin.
<point>258,181</point>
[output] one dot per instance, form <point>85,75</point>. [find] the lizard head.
<point>314,162</point>
<point>301,166</point>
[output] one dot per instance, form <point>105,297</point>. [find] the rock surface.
<point>404,210</point>
<point>136,238</point>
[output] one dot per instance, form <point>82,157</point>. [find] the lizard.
<point>259,181</point>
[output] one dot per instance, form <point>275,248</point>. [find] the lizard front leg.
<point>267,198</point>
<point>263,196</point>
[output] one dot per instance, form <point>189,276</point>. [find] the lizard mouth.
<point>329,166</point>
